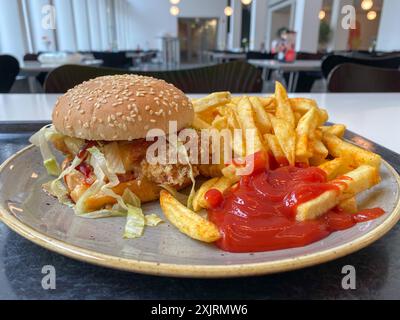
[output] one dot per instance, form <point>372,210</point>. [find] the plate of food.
<point>134,175</point>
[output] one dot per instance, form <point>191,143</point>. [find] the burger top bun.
<point>121,107</point>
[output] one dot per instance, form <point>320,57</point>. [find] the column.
<point>65,32</point>
<point>258,26</point>
<point>306,24</point>
<point>11,24</point>
<point>234,37</point>
<point>81,25</point>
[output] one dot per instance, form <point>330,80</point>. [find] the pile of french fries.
<point>292,130</point>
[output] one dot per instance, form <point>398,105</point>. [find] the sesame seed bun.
<point>121,107</point>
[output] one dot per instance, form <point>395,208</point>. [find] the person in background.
<point>278,46</point>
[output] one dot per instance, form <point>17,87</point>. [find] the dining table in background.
<point>293,68</point>
<point>372,115</point>
<point>223,56</point>
<point>31,69</point>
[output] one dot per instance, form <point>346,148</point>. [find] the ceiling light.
<point>174,1</point>
<point>246,2</point>
<point>367,4</point>
<point>174,10</point>
<point>228,11</point>
<point>371,15</point>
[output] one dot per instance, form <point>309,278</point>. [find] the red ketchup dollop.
<point>259,213</point>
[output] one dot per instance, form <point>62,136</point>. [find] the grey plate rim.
<point>196,271</point>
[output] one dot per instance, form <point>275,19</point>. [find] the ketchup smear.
<point>259,213</point>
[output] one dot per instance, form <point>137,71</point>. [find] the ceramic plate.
<point>26,209</point>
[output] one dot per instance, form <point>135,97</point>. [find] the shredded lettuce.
<point>41,140</point>
<point>130,198</point>
<point>74,145</point>
<point>182,150</point>
<point>152,220</point>
<point>57,189</point>
<point>99,164</point>
<point>106,167</point>
<point>113,158</point>
<point>135,223</point>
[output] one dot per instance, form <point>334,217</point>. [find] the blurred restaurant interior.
<point>302,43</point>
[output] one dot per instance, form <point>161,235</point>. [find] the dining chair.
<point>9,69</point>
<point>331,61</point>
<point>237,76</point>
<point>113,59</point>
<point>33,57</point>
<point>350,77</point>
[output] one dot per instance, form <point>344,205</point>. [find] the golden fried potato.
<point>213,100</point>
<point>261,116</point>
<point>349,205</point>
<point>336,167</point>
<point>356,181</point>
<point>337,130</point>
<point>283,106</point>
<point>286,137</point>
<point>340,148</point>
<point>304,131</point>
<point>247,121</point>
<point>187,221</point>
<point>198,200</point>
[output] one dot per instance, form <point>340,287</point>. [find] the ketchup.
<point>259,213</point>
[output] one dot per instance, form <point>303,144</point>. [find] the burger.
<point>100,127</point>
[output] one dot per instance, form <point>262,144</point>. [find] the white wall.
<point>388,37</point>
<point>150,19</point>
<point>12,30</point>
<point>258,27</point>
<point>307,24</point>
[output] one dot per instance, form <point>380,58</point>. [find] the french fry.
<point>337,130</point>
<point>198,200</point>
<point>211,170</point>
<point>230,172</point>
<point>340,148</point>
<point>349,205</point>
<point>319,148</point>
<point>316,160</point>
<point>336,167</point>
<point>187,221</point>
<point>274,146</point>
<point>224,183</point>
<point>268,103</point>
<point>220,122</point>
<point>199,123</point>
<point>297,117</point>
<point>262,118</point>
<point>305,129</point>
<point>245,115</point>
<point>211,101</point>
<point>233,123</point>
<point>283,106</point>
<point>303,105</point>
<point>356,181</point>
<point>286,137</point>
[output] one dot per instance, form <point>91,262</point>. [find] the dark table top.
<point>21,262</point>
